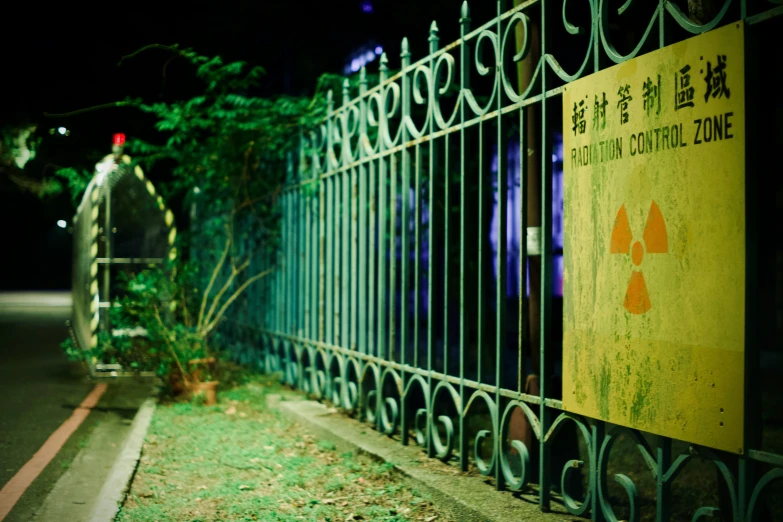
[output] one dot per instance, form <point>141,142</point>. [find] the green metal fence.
<point>402,296</point>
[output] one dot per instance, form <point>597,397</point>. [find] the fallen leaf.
<point>269,448</point>
<point>232,410</point>
<point>242,414</point>
<point>244,487</point>
<point>198,499</point>
<point>202,487</point>
<point>430,519</point>
<point>344,503</point>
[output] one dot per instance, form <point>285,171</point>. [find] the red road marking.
<point>13,491</point>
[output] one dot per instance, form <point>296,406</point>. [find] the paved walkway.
<point>39,391</point>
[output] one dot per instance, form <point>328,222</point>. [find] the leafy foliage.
<point>230,154</point>
<point>18,145</point>
<point>76,180</point>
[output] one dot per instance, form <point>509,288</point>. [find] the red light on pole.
<point>118,139</point>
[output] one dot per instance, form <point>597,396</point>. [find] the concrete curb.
<point>466,497</point>
<point>118,482</point>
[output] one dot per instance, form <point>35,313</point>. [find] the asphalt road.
<point>38,389</point>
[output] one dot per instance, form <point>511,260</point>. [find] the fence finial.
<point>465,13</point>
<point>363,75</point>
<point>405,52</point>
<point>346,91</point>
<point>384,67</point>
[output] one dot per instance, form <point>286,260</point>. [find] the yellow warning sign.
<point>654,279</point>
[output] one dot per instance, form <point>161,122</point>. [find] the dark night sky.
<point>62,57</point>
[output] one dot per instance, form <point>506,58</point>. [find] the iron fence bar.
<point>546,276</point>
<point>372,304</point>
<point>292,280</point>
<point>323,219</point>
<point>129,260</point>
<point>295,293</point>
<point>289,264</point>
<point>330,222</point>
<point>417,184</point>
<point>330,259</point>
<point>663,495</point>
<point>480,254</point>
<point>286,264</point>
<point>500,267</point>
<point>382,220</point>
<point>346,211</point>
<point>432,165</point>
<point>306,223</point>
<point>748,471</point>
<point>304,249</point>
<point>339,182</point>
<point>303,237</point>
<point>764,16</point>
<point>279,276</point>
<point>314,256</point>
<point>361,341</point>
<point>393,259</point>
<point>464,86</point>
<point>405,157</point>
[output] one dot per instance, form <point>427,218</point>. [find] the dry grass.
<point>242,461</point>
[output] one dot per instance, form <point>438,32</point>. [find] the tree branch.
<point>234,272</point>
<point>215,273</point>
<point>172,48</point>
<point>168,343</point>
<point>233,297</point>
<point>90,109</point>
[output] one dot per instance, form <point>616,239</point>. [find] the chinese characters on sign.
<point>599,112</point>
<point>653,94</point>
<point>654,251</point>
<point>683,91</point>
<point>716,80</point>
<point>578,118</point>
<point>625,97</point>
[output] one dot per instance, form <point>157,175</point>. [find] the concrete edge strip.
<point>118,482</point>
<point>466,498</point>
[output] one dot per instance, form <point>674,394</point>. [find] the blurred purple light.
<point>513,234</point>
<point>367,7</point>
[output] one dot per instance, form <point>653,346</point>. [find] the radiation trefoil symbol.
<point>654,241</point>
